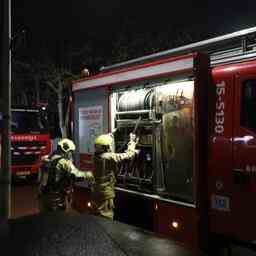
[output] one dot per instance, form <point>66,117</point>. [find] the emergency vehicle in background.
<point>195,177</point>
<point>30,139</point>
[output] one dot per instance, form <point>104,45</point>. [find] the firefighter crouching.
<point>56,177</point>
<point>106,161</point>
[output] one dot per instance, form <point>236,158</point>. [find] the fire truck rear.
<point>30,139</point>
<point>194,179</point>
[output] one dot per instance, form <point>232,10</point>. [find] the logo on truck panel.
<point>24,137</point>
<point>220,107</point>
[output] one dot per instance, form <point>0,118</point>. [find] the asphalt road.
<point>24,209</point>
<point>23,198</point>
<point>30,234</point>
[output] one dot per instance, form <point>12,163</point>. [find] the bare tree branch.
<point>52,86</point>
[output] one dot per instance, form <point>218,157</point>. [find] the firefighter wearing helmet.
<point>106,161</point>
<point>56,178</point>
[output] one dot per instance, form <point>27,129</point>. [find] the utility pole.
<point>5,87</point>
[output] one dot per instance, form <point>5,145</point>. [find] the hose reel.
<point>136,100</point>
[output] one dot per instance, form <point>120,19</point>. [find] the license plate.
<point>221,203</point>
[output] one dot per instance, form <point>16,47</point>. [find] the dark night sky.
<point>75,22</point>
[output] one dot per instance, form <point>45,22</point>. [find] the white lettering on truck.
<point>220,107</point>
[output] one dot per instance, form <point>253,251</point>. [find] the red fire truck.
<point>30,139</point>
<point>195,177</point>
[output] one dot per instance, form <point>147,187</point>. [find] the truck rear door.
<point>243,204</point>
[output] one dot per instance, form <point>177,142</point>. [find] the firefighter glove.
<point>89,176</point>
<point>132,137</point>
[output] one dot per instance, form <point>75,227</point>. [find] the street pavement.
<point>23,198</point>
<point>24,216</point>
<point>28,233</point>
<point>66,234</point>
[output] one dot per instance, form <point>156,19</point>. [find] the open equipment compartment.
<point>162,113</point>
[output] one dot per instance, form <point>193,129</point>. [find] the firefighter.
<point>56,178</point>
<point>106,161</point>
